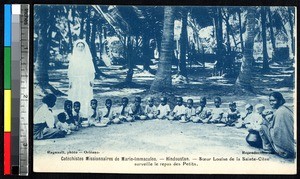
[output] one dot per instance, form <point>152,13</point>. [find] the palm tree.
<point>291,22</point>
<point>183,43</point>
<point>44,16</point>
<point>240,29</point>
<point>42,57</point>
<point>163,81</point>
<point>243,81</point>
<point>264,39</point>
<point>272,36</point>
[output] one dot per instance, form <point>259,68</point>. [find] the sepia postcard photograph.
<point>164,89</point>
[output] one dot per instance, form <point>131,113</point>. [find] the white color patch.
<point>16,9</point>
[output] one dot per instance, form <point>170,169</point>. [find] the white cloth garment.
<point>179,110</point>
<point>81,74</point>
<point>163,109</point>
<point>44,114</point>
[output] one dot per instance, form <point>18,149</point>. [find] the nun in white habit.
<point>81,74</point>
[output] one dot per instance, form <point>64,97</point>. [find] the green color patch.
<point>7,68</point>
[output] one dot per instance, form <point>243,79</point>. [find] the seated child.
<point>244,120</point>
<point>267,115</point>
<point>216,113</point>
<point>190,112</point>
<point>123,113</point>
<point>137,109</point>
<point>179,110</point>
<point>232,115</point>
<point>107,112</point>
<point>77,114</point>
<point>62,124</point>
<point>94,116</point>
<point>254,126</point>
<point>163,109</point>
<point>202,113</point>
<point>69,115</point>
<point>69,112</point>
<point>256,119</point>
<point>150,109</point>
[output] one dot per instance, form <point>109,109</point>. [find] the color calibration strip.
<point>7,89</point>
<point>15,85</point>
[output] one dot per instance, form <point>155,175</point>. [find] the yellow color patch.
<point>7,110</point>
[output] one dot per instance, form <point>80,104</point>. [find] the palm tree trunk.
<point>264,39</point>
<point>272,36</point>
<point>241,33</point>
<point>93,47</point>
<point>42,55</point>
<point>83,17</point>
<point>243,81</point>
<point>146,52</point>
<point>219,32</point>
<point>130,64</point>
<point>163,80</point>
<point>69,30</point>
<point>228,35</point>
<point>291,22</point>
<point>88,27</point>
<point>183,45</point>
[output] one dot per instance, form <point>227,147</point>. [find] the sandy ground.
<point>162,136</point>
<point>156,136</point>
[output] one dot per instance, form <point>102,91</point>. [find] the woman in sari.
<point>278,133</point>
<point>81,74</point>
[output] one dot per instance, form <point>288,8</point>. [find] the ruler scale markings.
<point>24,91</point>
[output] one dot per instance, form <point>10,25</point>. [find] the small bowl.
<point>85,125</point>
<point>143,117</point>
<point>116,121</point>
<point>150,116</point>
<point>171,117</point>
<point>220,125</point>
<point>100,125</point>
<point>85,122</point>
<point>129,119</point>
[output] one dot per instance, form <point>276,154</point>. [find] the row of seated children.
<point>72,120</point>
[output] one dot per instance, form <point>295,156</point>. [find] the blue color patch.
<point>7,25</point>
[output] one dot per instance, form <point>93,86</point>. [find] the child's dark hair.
<point>108,100</point>
<point>77,103</point>
<point>164,99</point>
<point>139,99</point>
<point>94,100</point>
<point>68,102</point>
<point>62,117</point>
<point>192,101</point>
<point>232,104</point>
<point>218,98</point>
<point>125,98</point>
<point>179,99</point>
<point>203,99</point>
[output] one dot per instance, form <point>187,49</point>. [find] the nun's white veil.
<point>81,62</point>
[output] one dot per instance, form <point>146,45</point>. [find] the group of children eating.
<point>72,120</point>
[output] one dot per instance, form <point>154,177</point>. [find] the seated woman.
<point>44,120</point>
<point>278,133</point>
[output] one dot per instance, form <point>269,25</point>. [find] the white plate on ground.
<point>100,125</point>
<point>220,125</point>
